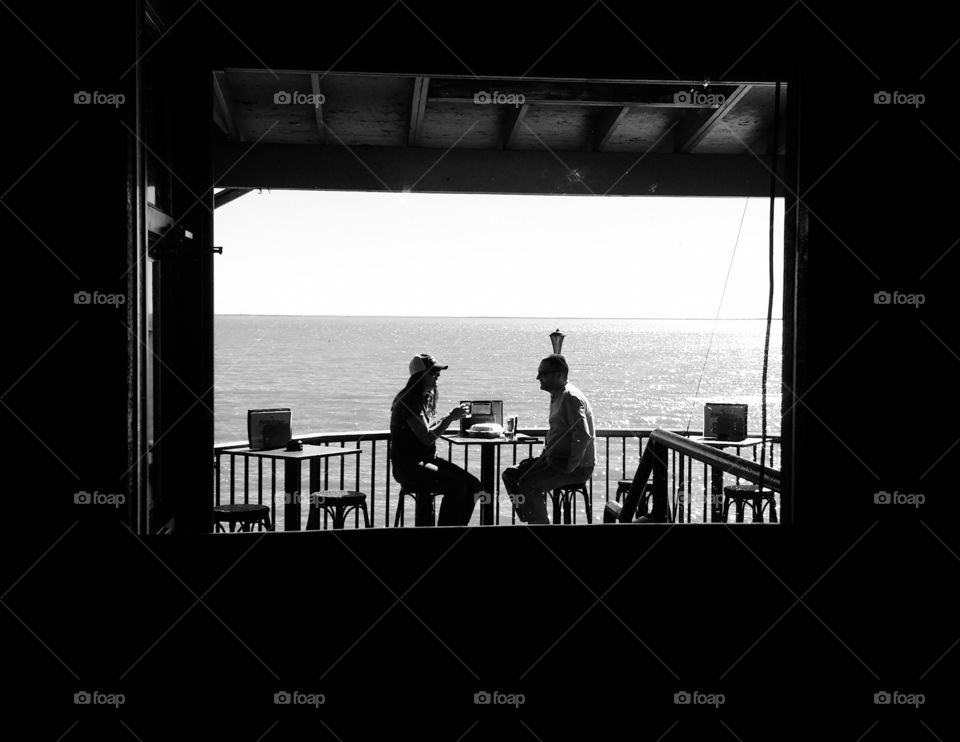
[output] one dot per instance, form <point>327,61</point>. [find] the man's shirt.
<point>571,431</point>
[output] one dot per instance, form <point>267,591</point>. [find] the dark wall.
<point>85,600</point>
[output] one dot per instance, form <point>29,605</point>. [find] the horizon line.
<point>483,316</point>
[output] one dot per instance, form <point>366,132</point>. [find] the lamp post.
<point>556,340</point>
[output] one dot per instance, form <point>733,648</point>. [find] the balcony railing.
<point>240,479</point>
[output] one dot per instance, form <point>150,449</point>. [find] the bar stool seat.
<point>567,495</point>
<point>243,514</point>
<point>338,504</point>
<point>425,508</point>
<point>742,495</point>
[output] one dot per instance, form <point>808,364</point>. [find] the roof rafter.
<point>511,125</point>
<point>318,106</point>
<point>609,121</point>
<point>224,101</point>
<point>418,107</point>
<point>691,132</point>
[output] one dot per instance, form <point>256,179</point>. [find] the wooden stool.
<point>747,494</point>
<point>246,515</point>
<point>567,495</point>
<point>425,509</point>
<point>339,504</point>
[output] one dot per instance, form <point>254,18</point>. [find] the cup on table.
<point>510,427</point>
<point>467,408</point>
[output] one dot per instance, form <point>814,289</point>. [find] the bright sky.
<point>350,253</point>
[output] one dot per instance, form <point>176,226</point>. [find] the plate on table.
<point>485,430</point>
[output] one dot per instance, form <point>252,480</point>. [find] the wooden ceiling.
<point>351,109</point>
<point>361,131</point>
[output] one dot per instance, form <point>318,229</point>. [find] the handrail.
<point>258,482</point>
<point>653,461</point>
<point>380,435</point>
<point>354,435</point>
<point>728,462</point>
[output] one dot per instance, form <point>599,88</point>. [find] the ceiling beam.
<point>463,170</point>
<point>418,107</point>
<point>318,107</point>
<point>511,125</point>
<point>224,103</point>
<point>690,132</point>
<point>618,103</point>
<point>504,81</point>
<point>609,121</point>
<point>583,94</point>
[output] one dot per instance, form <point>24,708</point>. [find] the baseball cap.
<point>423,362</point>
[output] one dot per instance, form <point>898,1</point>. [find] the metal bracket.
<point>179,243</point>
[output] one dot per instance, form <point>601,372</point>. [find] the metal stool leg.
<point>588,505</point>
<point>555,499</point>
<point>398,518</point>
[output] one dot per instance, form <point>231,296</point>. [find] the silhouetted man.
<point>568,454</point>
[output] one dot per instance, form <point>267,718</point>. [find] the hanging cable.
<point>766,342</point>
<point>717,318</point>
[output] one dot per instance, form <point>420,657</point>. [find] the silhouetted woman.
<point>414,431</point>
